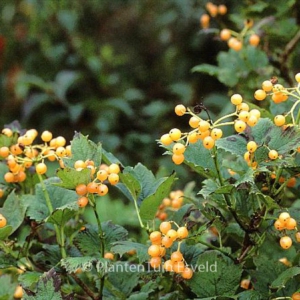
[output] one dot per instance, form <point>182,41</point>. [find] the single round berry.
<point>166,139</point>
<point>251,146</point>
<point>176,256</point>
<point>194,122</point>
<point>203,126</point>
<point>154,250</point>
<point>102,189</point>
<point>60,141</point>
<point>168,265</point>
<point>273,154</point>
<point>254,40</point>
<point>245,284</point>
<point>187,273</point>
<point>92,187</point>
<point>9,177</point>
<point>297,236</point>
<point>284,216</point>
<point>164,227</point>
<point>155,237</point>
<point>296,296</point>
<point>113,178</point>
<point>216,133</point>
<point>46,136</point>
<point>79,164</point>
<point>155,262</point>
<point>81,189</point>
<point>208,142</point>
<point>192,137</point>
<point>109,255</point>
<point>222,9</point>
<point>239,126</point>
<point>114,168</point>
<point>267,86</point>
<point>175,134</point>
<point>260,95</point>
<point>244,115</point>
<point>236,99</point>
<point>178,158</point>
<point>279,120</point>
<point>172,234</point>
<point>235,44</point>
<point>180,110</point>
<point>82,201</point>
<point>286,242</point>
<point>102,175</point>
<point>243,107</point>
<point>225,34</point>
<point>166,242</point>
<point>204,21</point>
<point>252,121</point>
<point>18,294</point>
<point>178,148</point>
<point>4,151</point>
<point>41,168</point>
<point>182,232</point>
<point>178,267</point>
<point>255,112</point>
<point>3,221</point>
<point>297,77</point>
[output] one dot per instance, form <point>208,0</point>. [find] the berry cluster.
<point>213,10</point>
<point>207,130</point>
<point>163,240</point>
<point>285,222</point>
<point>173,202</point>
<point>235,39</point>
<point>22,154</point>
<point>279,94</point>
<point>97,185</point>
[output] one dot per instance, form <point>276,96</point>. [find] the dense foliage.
<point>101,214</point>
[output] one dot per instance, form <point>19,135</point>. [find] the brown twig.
<point>85,287</point>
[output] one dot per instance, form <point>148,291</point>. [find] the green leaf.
<point>256,59</point>
<point>234,144</point>
<point>73,264</point>
<point>14,211</point>
<point>7,261</point>
<point>71,178</point>
<point>130,185</point>
<point>209,188</point>
<point>200,160</point>
<point>38,210</point>
<point>61,215</point>
<point>150,204</point>
<point>84,149</point>
<point>250,295</point>
<point>124,281</point>
<point>284,277</point>
<point>47,288</point>
<point>88,241</point>
<point>207,69</point>
<point>113,233</point>
<point>123,247</point>
<point>28,278</point>
<point>7,287</point>
<point>5,232</point>
<point>216,276</point>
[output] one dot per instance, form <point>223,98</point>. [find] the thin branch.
<point>84,287</point>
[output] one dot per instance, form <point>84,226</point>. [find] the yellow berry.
<point>251,146</point>
<point>208,142</point>
<point>254,40</point>
<point>286,242</point>
<point>236,99</point>
<point>225,34</point>
<point>166,139</point>
<point>216,133</point>
<point>175,134</point>
<point>180,110</point>
<point>297,77</point>
<point>239,126</point>
<point>273,154</point>
<point>267,86</point>
<point>279,120</point>
<point>178,148</point>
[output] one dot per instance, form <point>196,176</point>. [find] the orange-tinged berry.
<point>178,158</point>
<point>284,216</point>
<point>175,134</point>
<point>291,182</point>
<point>102,189</point>
<point>254,40</point>
<point>244,115</point>
<point>187,273</point>
<point>297,236</point>
<point>46,136</point>
<point>225,34</point>
<point>245,284</point>
<point>178,267</point>
<point>109,255</point>
<point>222,9</point>
<point>92,187</point>
<point>155,237</point>
<point>102,175</point>
<point>165,227</point>
<point>172,234</point>
<point>82,201</point>
<point>166,202</point>
<point>4,151</point>
<point>176,256</point>
<point>178,148</point>
<point>208,142</point>
<point>255,112</point>
<point>204,21</point>
<point>3,221</point>
<point>192,137</point>
<point>41,168</point>
<point>203,126</point>
<point>166,242</point>
<point>285,242</point>
<point>252,121</point>
<point>279,225</point>
<point>18,294</point>
<point>182,232</point>
<point>291,224</point>
<point>235,44</point>
<point>180,110</point>
<point>168,265</point>
<point>154,250</point>
<point>296,296</point>
<point>9,177</point>
<point>194,122</point>
<point>155,262</point>
<point>216,133</point>
<point>81,189</point>
<point>267,86</point>
<point>79,164</point>
<point>7,131</point>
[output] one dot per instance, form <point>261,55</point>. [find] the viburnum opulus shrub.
<point>238,237</point>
